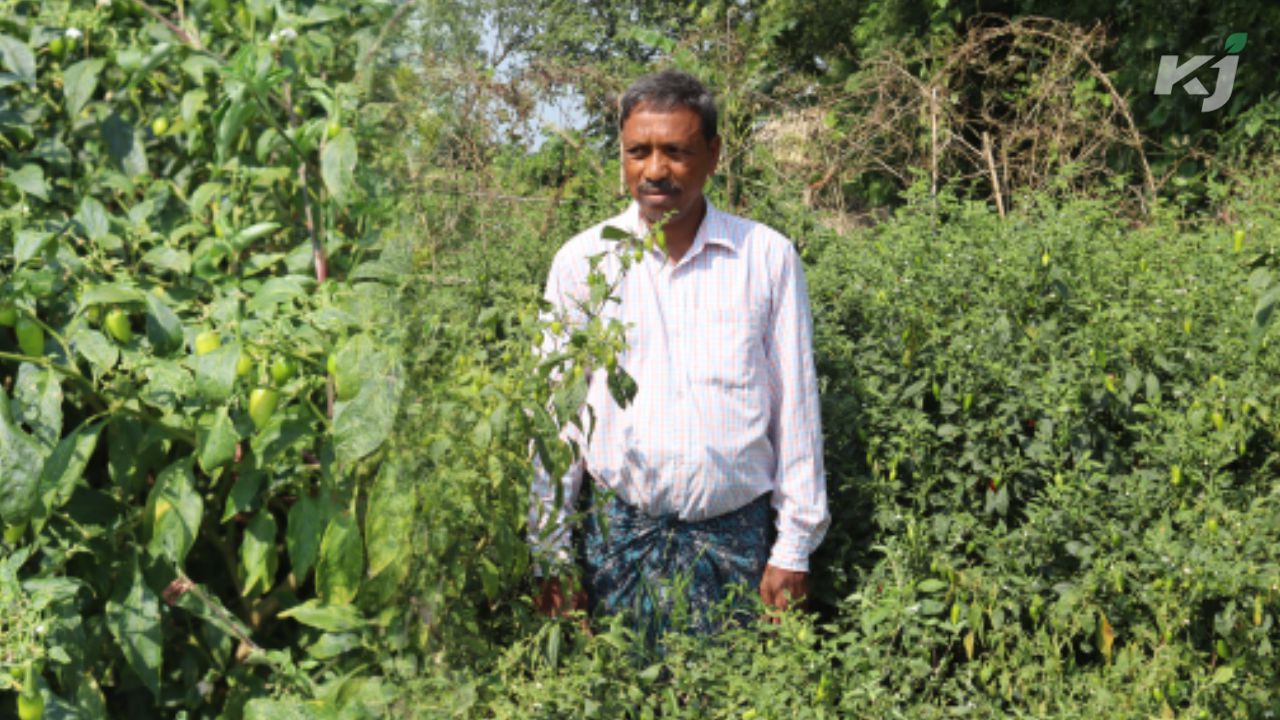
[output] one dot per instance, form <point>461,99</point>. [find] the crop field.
<point>270,288</point>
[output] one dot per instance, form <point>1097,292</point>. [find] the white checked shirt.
<point>720,346</point>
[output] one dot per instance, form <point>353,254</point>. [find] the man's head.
<point>669,145</point>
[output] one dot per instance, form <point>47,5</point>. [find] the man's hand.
<point>553,601</point>
<point>780,588</point>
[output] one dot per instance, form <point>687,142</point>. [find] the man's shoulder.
<point>588,242</point>
<point>755,235</point>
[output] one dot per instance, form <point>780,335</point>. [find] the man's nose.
<point>655,167</point>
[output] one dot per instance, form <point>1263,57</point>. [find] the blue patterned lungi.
<point>666,572</point>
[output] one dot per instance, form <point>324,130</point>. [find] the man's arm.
<point>799,489</point>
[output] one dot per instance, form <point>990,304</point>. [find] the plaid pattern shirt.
<point>720,346</point>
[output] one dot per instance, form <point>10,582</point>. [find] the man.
<point>725,421</point>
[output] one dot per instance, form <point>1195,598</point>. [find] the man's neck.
<point>680,233</point>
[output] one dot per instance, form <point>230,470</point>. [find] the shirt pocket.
<point>727,346</point>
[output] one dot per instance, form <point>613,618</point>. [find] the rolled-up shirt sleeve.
<point>795,425</point>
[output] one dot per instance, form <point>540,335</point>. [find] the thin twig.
<point>991,168</point>
<point>182,34</point>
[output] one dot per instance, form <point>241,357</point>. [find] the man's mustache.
<point>662,187</point>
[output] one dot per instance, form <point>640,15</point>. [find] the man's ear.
<point>714,146</point>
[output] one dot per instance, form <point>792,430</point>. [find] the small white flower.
<point>273,38</point>
<point>104,3</point>
<point>288,34</point>
<point>73,33</point>
<point>40,629</point>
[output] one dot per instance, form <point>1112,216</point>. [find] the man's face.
<point>667,161</point>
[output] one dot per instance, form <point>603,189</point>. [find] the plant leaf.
<point>362,424</point>
<point>21,457</point>
<point>38,402</point>
<point>216,438</point>
<point>78,83</point>
<point>66,465</point>
<point>258,556</point>
<point>330,618</point>
<point>341,563</point>
<point>307,520</point>
<point>133,616</point>
<point>338,164</point>
<point>175,510</point>
<point>30,180</point>
<point>17,56</point>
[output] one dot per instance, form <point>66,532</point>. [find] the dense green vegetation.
<point>185,243</point>
<point>269,287</point>
<point>1052,445</point>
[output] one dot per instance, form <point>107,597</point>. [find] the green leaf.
<point>307,521</point>
<point>30,180</point>
<point>246,236</point>
<point>206,606</point>
<point>124,145</point>
<point>17,56</point>
<point>622,387</point>
<point>202,196</point>
<point>113,294</point>
<point>362,424</point>
<point>244,496</point>
<point>388,522</point>
<point>359,359</point>
<point>38,402</point>
<point>286,709</point>
<point>167,385</point>
<point>21,457</point>
<point>195,66</point>
<point>489,578</point>
<point>341,563</point>
<point>1265,309</point>
<point>216,371</point>
<point>569,398</point>
<point>95,347</point>
<point>931,585</point>
<point>163,257</point>
<point>216,439</point>
<point>65,466</point>
<point>319,14</point>
<point>1235,42</point>
<point>78,83</point>
<point>258,557</point>
<point>174,509</point>
<point>331,645</point>
<point>93,217</point>
<point>610,232</point>
<point>330,618</point>
<point>233,120</point>
<point>29,243</point>
<point>338,164</point>
<point>133,616</point>
<point>164,329</point>
<point>279,290</point>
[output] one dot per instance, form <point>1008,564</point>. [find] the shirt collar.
<point>714,228</point>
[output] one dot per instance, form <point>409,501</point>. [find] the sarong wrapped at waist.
<point>663,569</point>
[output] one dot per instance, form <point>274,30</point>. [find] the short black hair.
<point>670,89</point>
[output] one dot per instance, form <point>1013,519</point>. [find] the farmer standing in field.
<point>725,422</point>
